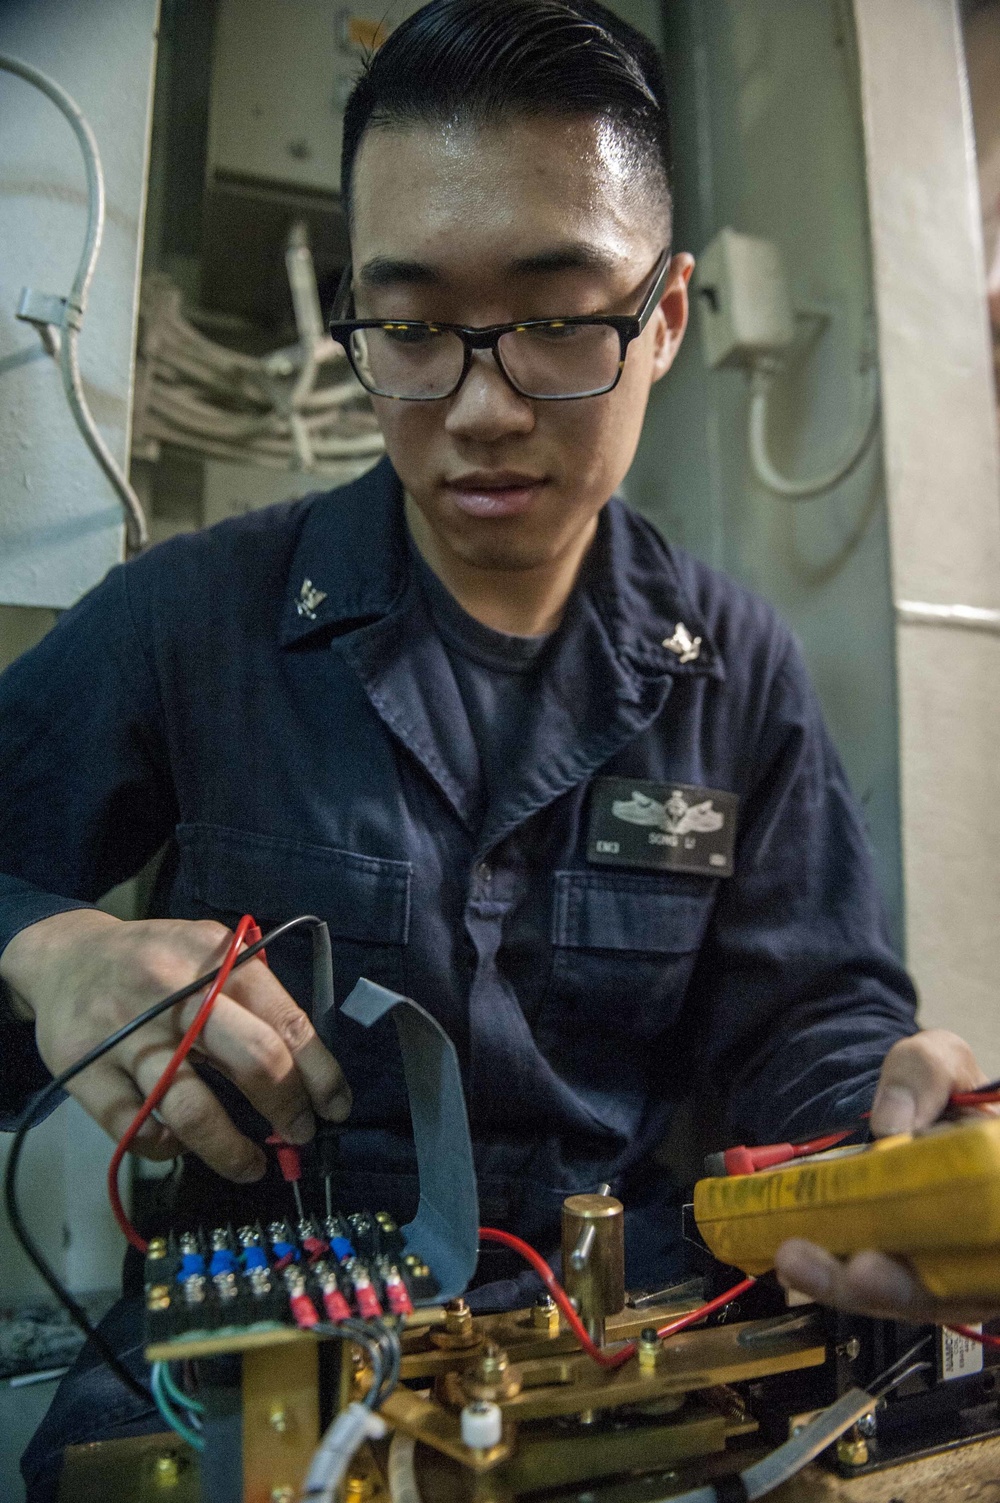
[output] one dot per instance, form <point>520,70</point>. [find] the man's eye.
<point>409,333</point>
<point>558,333</point>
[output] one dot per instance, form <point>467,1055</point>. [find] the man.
<point>429,707</point>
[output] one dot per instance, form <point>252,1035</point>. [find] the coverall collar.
<point>628,635</point>
<point>351,565</point>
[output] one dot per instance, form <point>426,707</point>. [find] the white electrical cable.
<point>781,1464</point>
<point>967,617</point>
<point>761,380</point>
<point>345,1437</point>
<point>61,337</point>
<point>296,408</point>
<point>401,1469</point>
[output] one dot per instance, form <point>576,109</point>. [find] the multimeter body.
<point>933,1199</point>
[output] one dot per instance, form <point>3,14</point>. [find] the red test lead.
<point>290,1164</point>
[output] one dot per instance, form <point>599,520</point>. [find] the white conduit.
<point>967,617</point>
<point>60,323</point>
<point>761,382</point>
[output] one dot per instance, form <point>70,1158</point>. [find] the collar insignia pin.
<point>685,647</point>
<point>309,599</point>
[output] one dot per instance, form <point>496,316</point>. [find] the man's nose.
<point>486,406</point>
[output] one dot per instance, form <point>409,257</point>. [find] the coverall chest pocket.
<point>624,946</point>
<point>365,901</point>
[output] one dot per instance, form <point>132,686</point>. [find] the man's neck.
<point>524,602</point>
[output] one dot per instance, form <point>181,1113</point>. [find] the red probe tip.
<point>289,1158</point>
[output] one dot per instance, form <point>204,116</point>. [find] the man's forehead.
<point>552,193</point>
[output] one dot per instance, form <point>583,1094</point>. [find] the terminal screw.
<point>492,1378</point>
<point>158,1297</point>
<point>852,1449</point>
<point>458,1321</point>
<point>545,1315</point>
<point>649,1348</point>
<point>166,1470</point>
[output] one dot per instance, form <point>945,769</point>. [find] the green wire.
<point>175,1392</point>
<point>186,1433</point>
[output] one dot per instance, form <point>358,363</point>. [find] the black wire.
<point>382,1344</point>
<point>33,1113</point>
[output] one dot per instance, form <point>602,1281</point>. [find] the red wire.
<point>983,1337</point>
<point>245,927</point>
<point>562,1299</point>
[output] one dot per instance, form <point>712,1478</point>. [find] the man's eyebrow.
<point>389,271</point>
<point>384,271</point>
<point>573,256</point>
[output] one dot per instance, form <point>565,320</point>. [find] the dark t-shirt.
<point>497,676</point>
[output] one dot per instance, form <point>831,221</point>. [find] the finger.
<point>261,993</point>
<point>111,1098</point>
<point>258,1061</point>
<point>918,1075</point>
<point>870,1283</point>
<point>197,1118</point>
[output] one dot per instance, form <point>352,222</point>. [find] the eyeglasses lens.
<point>552,360</point>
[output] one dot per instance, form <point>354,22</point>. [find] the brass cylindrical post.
<point>593,1258</point>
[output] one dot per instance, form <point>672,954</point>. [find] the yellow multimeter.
<point>933,1199</point>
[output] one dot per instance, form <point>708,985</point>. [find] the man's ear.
<point>671,316</point>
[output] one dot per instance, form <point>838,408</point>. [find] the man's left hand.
<point>918,1076</point>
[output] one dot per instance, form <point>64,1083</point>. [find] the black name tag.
<point>662,826</point>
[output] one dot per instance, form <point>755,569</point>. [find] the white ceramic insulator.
<point>482,1426</point>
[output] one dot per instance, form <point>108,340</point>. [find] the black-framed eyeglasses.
<point>546,359</point>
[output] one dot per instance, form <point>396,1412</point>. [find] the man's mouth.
<point>494,493</point>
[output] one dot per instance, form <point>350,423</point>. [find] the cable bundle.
<point>297,408</point>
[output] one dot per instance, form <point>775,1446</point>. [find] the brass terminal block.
<point>459,1334</point>
<point>493,1378</point>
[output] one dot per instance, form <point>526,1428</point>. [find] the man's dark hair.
<point>487,61</point>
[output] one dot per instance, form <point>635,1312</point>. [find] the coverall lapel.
<point>609,678</point>
<point>351,578</point>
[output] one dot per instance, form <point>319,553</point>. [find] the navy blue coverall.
<point>270,698</point>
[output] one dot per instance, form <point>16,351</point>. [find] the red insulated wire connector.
<point>367,1301</point>
<point>398,1297</point>
<point>304,1311</point>
<point>336,1306</point>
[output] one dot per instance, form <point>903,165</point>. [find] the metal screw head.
<point>545,1315</point>
<point>279,1421</point>
<point>158,1297</point>
<point>493,1363</point>
<point>282,1495</point>
<point>166,1470</point>
<point>849,1349</point>
<point>867,1425</point>
<point>648,1336</point>
<point>157,1248</point>
<point>852,1450</point>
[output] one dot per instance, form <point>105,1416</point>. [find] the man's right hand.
<point>83,974</point>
